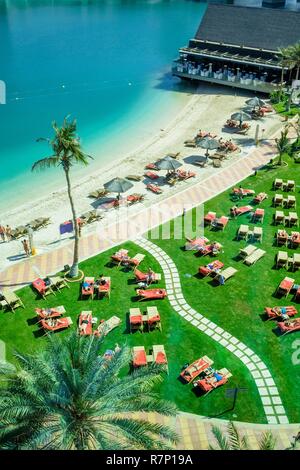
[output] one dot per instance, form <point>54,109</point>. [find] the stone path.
<point>262,377</point>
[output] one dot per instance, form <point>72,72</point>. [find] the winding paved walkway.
<point>261,375</point>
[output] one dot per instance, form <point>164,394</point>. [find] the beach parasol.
<point>241,116</point>
<point>255,102</point>
<point>209,144</point>
<point>168,163</point>
<point>118,185</point>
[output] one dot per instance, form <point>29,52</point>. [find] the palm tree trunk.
<point>74,267</point>
<point>297,73</point>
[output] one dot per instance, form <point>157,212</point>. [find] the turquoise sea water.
<point>105,62</point>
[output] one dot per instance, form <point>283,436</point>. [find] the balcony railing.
<point>237,81</point>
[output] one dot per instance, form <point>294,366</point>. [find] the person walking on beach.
<point>8,233</point>
<point>2,233</point>
<point>26,247</point>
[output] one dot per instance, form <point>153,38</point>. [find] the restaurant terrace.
<point>238,46</point>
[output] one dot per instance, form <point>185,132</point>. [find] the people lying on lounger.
<point>233,210</point>
<point>214,377</point>
<point>150,276</point>
<point>54,322</point>
<point>281,312</point>
<point>83,326</point>
<point>86,286</point>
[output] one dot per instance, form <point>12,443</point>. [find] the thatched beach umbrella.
<point>209,144</point>
<point>118,185</point>
<point>241,117</point>
<point>255,102</point>
<point>168,163</point>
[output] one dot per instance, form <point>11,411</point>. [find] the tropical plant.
<point>282,143</point>
<point>67,397</point>
<point>294,53</point>
<point>285,61</point>
<point>67,152</point>
<point>233,441</point>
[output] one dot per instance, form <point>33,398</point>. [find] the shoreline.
<point>207,109</point>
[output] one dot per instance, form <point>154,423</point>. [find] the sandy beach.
<point>207,110</point>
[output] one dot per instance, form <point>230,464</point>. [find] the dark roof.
<point>262,28</point>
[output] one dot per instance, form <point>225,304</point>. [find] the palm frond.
<point>221,439</point>
<point>267,441</point>
<point>45,163</point>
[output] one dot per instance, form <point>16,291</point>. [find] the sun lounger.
<point>41,222</point>
<point>209,218</point>
<point>258,215</point>
<point>85,325</point>
<point>139,357</point>
<point>44,288</point>
<point>134,177</point>
<point>281,237</point>
<point>195,369</point>
<point>257,234</point>
<point>159,355</point>
<point>195,243</point>
<point>136,320</point>
<point>260,197</point>
<point>59,282</point>
<point>293,219</point>
<point>236,211</point>
<point>241,192</point>
<point>154,188</point>
<point>280,312</point>
<point>278,200</point>
<point>103,287</point>
<point>295,261</point>
<point>211,249</point>
<point>278,183</point>
<point>89,217</point>
<point>252,259</point>
<point>290,202</point>
<point>107,326</point>
<point>11,300</point>
<point>247,251</point>
<point>220,223</point>
<point>289,326</point>
<point>98,193</point>
<point>153,318</point>
<point>278,217</point>
<point>151,294</point>
<point>19,232</point>
<point>242,232</point>
<point>53,312</point>
<point>55,324</point>
<point>290,185</point>
<point>294,239</point>
<point>151,166</point>
<point>185,175</point>
<point>223,276</point>
<point>88,287</point>
<point>137,259</point>
<point>133,198</point>
<point>151,175</point>
<point>145,277</point>
<point>211,268</point>
<point>282,259</point>
<point>212,380</point>
<point>120,256</point>
<point>285,286</point>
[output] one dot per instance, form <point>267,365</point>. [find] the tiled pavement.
<point>262,377</point>
<point>195,431</point>
<point>131,225</point>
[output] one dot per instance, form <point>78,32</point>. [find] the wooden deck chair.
<point>293,219</point>
<point>242,232</point>
<point>290,202</point>
<point>223,276</point>
<point>136,320</point>
<point>296,261</point>
<point>282,259</point>
<point>153,318</point>
<point>278,200</point>
<point>59,283</point>
<point>279,217</point>
<point>159,356</point>
<point>258,234</point>
<point>256,255</point>
<point>290,185</point>
<point>278,183</point>
<point>137,259</point>
<point>247,251</point>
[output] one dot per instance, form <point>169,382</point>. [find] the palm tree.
<point>282,143</point>
<point>67,397</point>
<point>233,440</point>
<point>285,60</point>
<point>295,57</point>
<point>66,153</point>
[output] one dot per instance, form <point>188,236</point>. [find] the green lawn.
<point>236,307</point>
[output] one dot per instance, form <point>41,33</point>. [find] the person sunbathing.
<point>150,277</point>
<point>83,326</point>
<point>280,312</point>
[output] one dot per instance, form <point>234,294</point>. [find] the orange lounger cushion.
<point>152,293</point>
<point>54,324</point>
<point>207,386</point>
<point>136,319</point>
<point>139,359</point>
<point>161,358</point>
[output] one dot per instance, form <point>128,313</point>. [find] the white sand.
<point>207,110</point>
